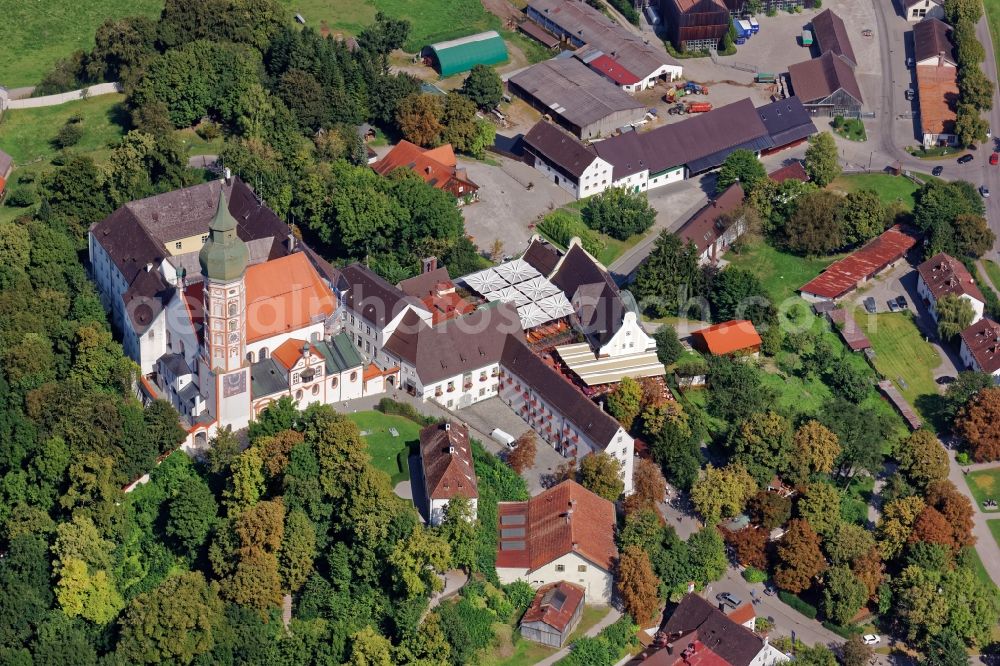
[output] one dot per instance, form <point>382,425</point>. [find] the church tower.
<point>223,368</point>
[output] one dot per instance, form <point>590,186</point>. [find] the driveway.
<point>786,619</point>
<point>507,210</point>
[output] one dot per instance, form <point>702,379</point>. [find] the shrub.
<point>69,135</point>
<point>842,631</point>
<point>22,197</point>
<point>838,122</point>
<point>754,575</point>
<point>561,226</point>
<point>208,130</point>
<point>606,648</point>
<point>406,410</point>
<point>962,458</point>
<point>798,604</point>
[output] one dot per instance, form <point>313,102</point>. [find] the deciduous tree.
<point>418,561</point>
<point>954,315</point>
<point>298,549</point>
<point>970,126</point>
<point>848,543</point>
<point>618,213</point>
<point>801,559</point>
<point>523,455</point>
<point>821,159</point>
<point>843,594</point>
<point>762,444</point>
<point>815,449</point>
<point>601,474</point>
<point>637,584</point>
<point>972,236</point>
<point>369,648</point>
<point>743,167</point>
<point>670,279</point>
<point>896,523</point>
<point>191,514</point>
<point>863,216</point>
<point>855,652</point>
<point>769,509</point>
<point>820,505</point>
<point>976,423</point>
<point>750,544</point>
<point>648,487</point>
<point>625,401</point>
<point>955,507</point>
<point>722,492</point>
<point>459,529</point>
<point>419,119</point>
<point>483,86</point>
<point>815,228</point>
<point>922,458</point>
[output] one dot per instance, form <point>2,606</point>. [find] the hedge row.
<point>806,609</point>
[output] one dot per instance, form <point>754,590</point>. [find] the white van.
<point>504,438</point>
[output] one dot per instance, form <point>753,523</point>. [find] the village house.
<point>943,275</point>
<point>446,468</point>
<point>565,533</point>
<point>715,227</point>
<point>438,167</point>
<point>553,614</point>
<point>980,350</point>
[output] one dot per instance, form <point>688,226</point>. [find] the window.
<point>250,357</point>
<point>368,330</point>
<point>178,245</point>
<point>482,392</point>
<point>316,389</point>
<point>560,568</point>
<point>233,309</point>
<point>263,353</point>
<point>295,378</point>
<point>354,376</point>
<point>204,239</point>
<point>368,347</point>
<point>298,395</point>
<point>581,568</point>
<point>333,383</point>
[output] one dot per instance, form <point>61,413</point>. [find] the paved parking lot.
<point>506,206</point>
<point>493,413</point>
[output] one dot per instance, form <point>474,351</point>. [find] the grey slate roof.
<point>592,292</point>
<point>176,364</point>
<point>145,299</point>
<point>339,353</point>
<point>541,256</point>
<point>786,120</point>
<point>266,378</point>
<point>374,299</point>
<point>574,91</point>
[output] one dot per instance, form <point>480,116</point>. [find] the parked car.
<point>893,307</point>
<point>504,438</point>
<point>937,171</point>
<point>729,599</point>
<point>995,159</point>
<point>965,159</point>
<point>945,380</point>
<point>870,305</point>
<point>909,63</point>
<point>985,191</point>
<point>769,590</point>
<point>910,94</point>
<point>901,303</point>
<point>871,639</point>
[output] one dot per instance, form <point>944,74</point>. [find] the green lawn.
<point>196,145</point>
<point>993,19</point>
<point>890,188</point>
<point>992,272</point>
<point>430,20</point>
<point>852,130</point>
<point>781,273</point>
<point>388,453</point>
<point>612,248</point>
<point>984,484</point>
<point>994,526</point>
<point>528,652</point>
<point>796,394</point>
<point>37,34</point>
<point>901,351</point>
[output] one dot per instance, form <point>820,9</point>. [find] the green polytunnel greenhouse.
<point>460,55</point>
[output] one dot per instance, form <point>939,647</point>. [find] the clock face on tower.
<point>234,338</point>
<point>234,384</point>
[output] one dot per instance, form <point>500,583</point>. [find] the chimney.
<point>181,274</point>
<point>451,450</point>
<point>227,173</point>
<point>722,608</point>
<point>941,59</point>
<point>569,515</point>
<point>427,170</point>
<point>447,426</point>
<point>670,648</point>
<point>149,267</point>
<point>429,264</point>
<point>291,242</point>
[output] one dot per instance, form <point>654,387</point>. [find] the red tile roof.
<point>290,351</point>
<point>795,171</point>
<point>842,276</point>
<point>742,614</point>
<point>729,337</point>
<point>983,341</point>
<point>937,96</point>
<point>283,295</point>
<point>943,275</point>
<point>564,519</point>
<point>613,69</point>
<point>436,166</point>
<point>555,604</point>
<point>446,457</point>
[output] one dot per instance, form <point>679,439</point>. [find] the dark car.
<point>729,599</point>
<point>937,171</point>
<point>965,159</point>
<point>870,305</point>
<point>901,303</point>
<point>944,380</point>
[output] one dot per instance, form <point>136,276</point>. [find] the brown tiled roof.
<point>831,36</point>
<point>542,256</point>
<point>728,639</point>
<point>285,295</point>
<point>794,171</point>
<point>703,228</point>
<point>536,31</point>
<point>554,605</point>
<point>446,456</point>
<point>937,95</point>
<point>820,77</point>
<point>370,296</point>
<point>437,167</point>
<point>983,342</point>
<point>564,519</point>
<point>842,276</point>
<point>943,275</point>
<point>456,346</point>
<point>742,614</point>
<point>728,337</point>
<point>931,38</point>
<point>592,421</point>
<point>427,283</point>
<point>852,335</point>
<point>560,148</point>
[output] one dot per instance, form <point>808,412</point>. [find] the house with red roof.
<point>553,614</point>
<point>565,533</point>
<point>446,468</point>
<point>980,350</point>
<point>731,337</point>
<point>438,167</point>
<point>943,275</point>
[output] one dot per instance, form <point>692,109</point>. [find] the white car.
<point>871,639</point>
